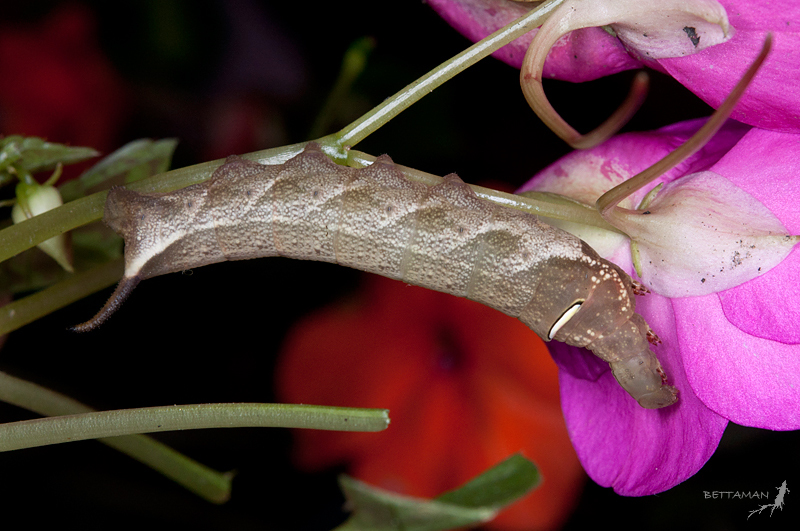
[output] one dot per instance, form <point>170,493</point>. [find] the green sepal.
<point>32,154</point>
<point>499,486</point>
<point>34,199</point>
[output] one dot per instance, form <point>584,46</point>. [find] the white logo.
<point>777,504</point>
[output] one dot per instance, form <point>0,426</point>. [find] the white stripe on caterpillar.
<point>442,237</point>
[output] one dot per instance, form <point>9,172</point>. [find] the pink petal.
<point>745,363</point>
<point>621,445</point>
<point>768,306</point>
<point>584,175</point>
<point>582,55</point>
<point>772,101</point>
<point>750,380</point>
<point>765,164</point>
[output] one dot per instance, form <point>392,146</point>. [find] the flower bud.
<point>32,200</point>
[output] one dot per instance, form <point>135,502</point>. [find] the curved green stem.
<point>380,115</point>
<point>196,477</point>
<point>608,202</point>
<point>97,424</point>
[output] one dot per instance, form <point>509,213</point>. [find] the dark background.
<point>212,336</point>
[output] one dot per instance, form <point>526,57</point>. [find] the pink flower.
<point>733,355</point>
<point>592,52</point>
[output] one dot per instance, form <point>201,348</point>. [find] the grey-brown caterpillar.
<point>442,237</point>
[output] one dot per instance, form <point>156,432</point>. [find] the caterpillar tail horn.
<point>124,289</point>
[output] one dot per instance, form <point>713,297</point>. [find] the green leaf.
<point>500,485</point>
<point>134,161</point>
<point>33,154</point>
<point>375,509</point>
<point>474,503</point>
<point>9,151</point>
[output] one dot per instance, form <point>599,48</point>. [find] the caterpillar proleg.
<point>373,219</point>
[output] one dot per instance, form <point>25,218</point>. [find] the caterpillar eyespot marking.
<point>565,317</point>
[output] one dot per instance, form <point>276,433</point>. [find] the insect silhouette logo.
<point>783,490</point>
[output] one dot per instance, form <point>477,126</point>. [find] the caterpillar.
<point>374,219</point>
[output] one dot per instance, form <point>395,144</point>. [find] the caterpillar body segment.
<point>374,219</point>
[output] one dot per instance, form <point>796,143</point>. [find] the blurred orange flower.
<point>466,387</point>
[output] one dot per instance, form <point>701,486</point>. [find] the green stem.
<point>558,207</point>
<point>97,424</point>
<point>607,203</point>
<point>75,287</point>
<point>541,204</point>
<point>355,59</point>
<point>196,477</point>
<point>380,115</point>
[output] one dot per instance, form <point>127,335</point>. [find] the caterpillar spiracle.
<point>374,219</point>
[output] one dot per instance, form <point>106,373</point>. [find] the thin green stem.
<point>380,115</point>
<point>607,202</point>
<point>554,206</point>
<point>541,204</point>
<point>75,287</point>
<point>353,63</point>
<point>196,477</point>
<point>97,424</point>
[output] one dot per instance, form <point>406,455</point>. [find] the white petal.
<point>703,235</point>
